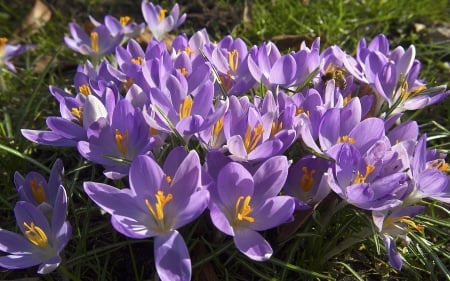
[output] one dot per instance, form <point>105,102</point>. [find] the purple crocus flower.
<point>35,189</point>
<point>158,202</point>
<point>97,44</point>
<point>115,143</point>
<point>243,204</point>
<point>157,21</point>
<point>8,51</point>
<point>124,25</point>
<point>396,223</point>
<point>42,240</point>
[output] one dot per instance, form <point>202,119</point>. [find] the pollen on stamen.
<point>77,112</point>
<point>84,89</point>
<point>35,235</point>
<point>38,191</point>
<point>162,15</point>
<point>94,41</point>
<point>233,60</point>
<point>307,179</point>
<point>124,20</point>
<point>186,107</point>
<point>346,139</point>
<point>137,60</point>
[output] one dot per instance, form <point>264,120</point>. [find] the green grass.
<point>332,245</point>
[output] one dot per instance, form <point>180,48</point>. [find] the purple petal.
<point>172,257</point>
<point>145,176</point>
<point>220,220</point>
<point>19,261</point>
<point>252,244</point>
<point>395,259</point>
<point>14,243</point>
<point>275,211</point>
<point>270,178</point>
<point>193,209</point>
<point>234,181</point>
<point>49,265</point>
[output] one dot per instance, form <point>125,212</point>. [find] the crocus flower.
<point>158,202</point>
<point>124,25</point>
<point>157,21</point>
<point>35,189</point>
<point>243,204</point>
<point>396,223</point>
<point>42,240</point>
<point>8,51</point>
<point>97,44</point>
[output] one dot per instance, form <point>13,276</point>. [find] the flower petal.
<point>252,244</point>
<point>172,257</point>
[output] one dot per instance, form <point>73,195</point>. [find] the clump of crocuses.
<point>138,111</point>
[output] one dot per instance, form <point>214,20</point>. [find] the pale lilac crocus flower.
<point>397,223</point>
<point>158,202</point>
<point>243,204</point>
<point>8,51</point>
<point>124,25</point>
<point>42,241</point>
<point>158,22</point>
<point>98,43</point>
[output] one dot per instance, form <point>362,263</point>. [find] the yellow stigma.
<point>307,180</point>
<point>84,89</point>
<point>3,42</point>
<point>94,41</point>
<point>186,107</point>
<point>183,71</point>
<point>162,15</point>
<point>243,210</point>
<point>276,127</point>
<point>362,178</point>
<point>168,179</point>
<point>158,210</point>
<point>346,139</point>
<point>252,138</point>
<point>406,220</point>
<point>35,235</point>
<point>347,99</point>
<point>233,60</point>
<point>122,141</point>
<point>439,164</point>
<point>38,191</point>
<point>217,128</point>
<point>137,60</point>
<point>188,50</point>
<point>125,20</point>
<point>77,112</point>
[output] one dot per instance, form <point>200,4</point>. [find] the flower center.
<point>157,210</point>
<point>77,112</point>
<point>252,137</point>
<point>3,42</point>
<point>183,71</point>
<point>84,89</point>
<point>38,191</point>
<point>277,126</point>
<point>35,235</point>
<point>122,141</point>
<point>233,60</point>
<point>243,209</point>
<point>94,41</point>
<point>137,60</point>
<point>162,15</point>
<point>125,20</point>
<point>362,178</point>
<point>186,107</point>
<point>307,179</point>
<point>440,165</point>
<point>346,139</point>
<point>406,220</point>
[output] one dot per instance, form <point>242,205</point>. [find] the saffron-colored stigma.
<point>38,191</point>
<point>122,141</point>
<point>137,60</point>
<point>162,15</point>
<point>346,139</point>
<point>161,201</point>
<point>84,89</point>
<point>77,112</point>
<point>127,83</point>
<point>347,99</point>
<point>440,165</point>
<point>243,210</point>
<point>307,180</point>
<point>168,179</point>
<point>217,128</point>
<point>35,235</point>
<point>277,126</point>
<point>94,41</point>
<point>362,179</point>
<point>405,93</point>
<point>188,50</point>
<point>406,220</point>
<point>186,107</point>
<point>183,71</point>
<point>153,131</point>
<point>125,20</point>
<point>3,42</point>
<point>233,60</point>
<point>252,139</point>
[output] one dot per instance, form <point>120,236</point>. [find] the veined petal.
<point>47,138</point>
<point>270,178</point>
<point>172,259</point>
<point>275,211</point>
<point>145,176</point>
<point>220,220</point>
<point>252,244</point>
<point>197,203</point>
